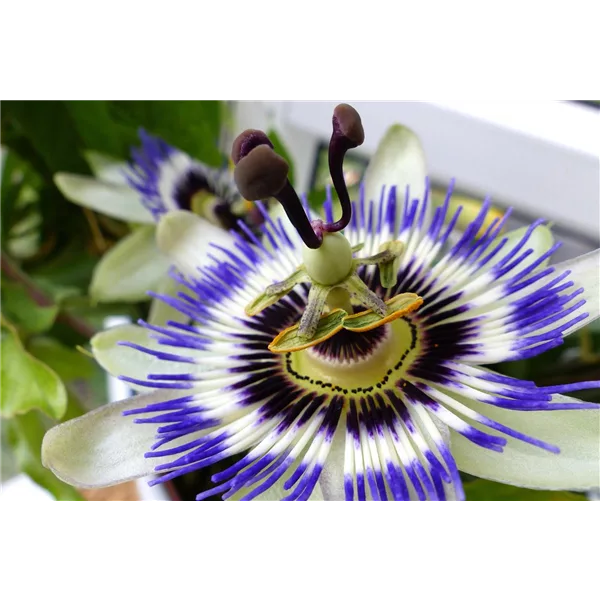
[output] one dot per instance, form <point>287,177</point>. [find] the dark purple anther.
<point>261,173</point>
<point>347,133</point>
<point>246,142</point>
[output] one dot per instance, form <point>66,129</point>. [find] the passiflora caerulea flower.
<point>158,180</point>
<point>345,359</point>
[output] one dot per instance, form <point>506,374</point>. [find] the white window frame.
<point>542,158</point>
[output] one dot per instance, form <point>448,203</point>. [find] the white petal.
<point>130,269</point>
<point>103,447</point>
<point>112,199</point>
<point>575,432</point>
<point>107,168</point>
<point>585,273</point>
<point>186,239</point>
<point>399,160</point>
<point>123,360</point>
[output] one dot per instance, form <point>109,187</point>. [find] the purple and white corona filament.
<point>361,404</point>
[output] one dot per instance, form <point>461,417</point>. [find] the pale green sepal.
<point>106,168</point>
<point>575,432</point>
<point>130,269</point>
<point>115,200</point>
<point>399,160</point>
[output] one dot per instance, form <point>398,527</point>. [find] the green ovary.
<point>332,262</point>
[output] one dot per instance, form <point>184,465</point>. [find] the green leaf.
<point>281,149</point>
<point>78,371</point>
<point>8,464</point>
<point>10,188</point>
<point>15,140</point>
<point>25,434</point>
<point>316,198</point>
<point>98,129</point>
<point>50,131</point>
<point>17,170</point>
<point>68,272</point>
<point>23,311</point>
<point>27,383</point>
<point>61,225</point>
<point>3,110</point>
<point>191,126</point>
<point>484,490</point>
<point>20,217</point>
<point>69,364</point>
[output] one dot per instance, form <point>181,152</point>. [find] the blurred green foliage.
<point>50,248</point>
<point>483,490</point>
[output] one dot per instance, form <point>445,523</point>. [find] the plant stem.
<point>586,345</point>
<point>13,271</point>
<point>97,237</point>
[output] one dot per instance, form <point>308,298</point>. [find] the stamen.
<point>347,133</point>
<point>246,142</point>
<point>261,173</point>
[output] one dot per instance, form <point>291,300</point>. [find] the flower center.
<point>329,264</point>
<point>353,362</point>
